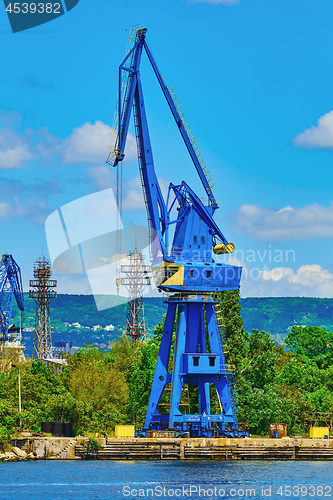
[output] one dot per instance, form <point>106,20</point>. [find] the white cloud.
<point>14,149</point>
<point>133,199</point>
<point>308,281</point>
<point>4,210</point>
<point>317,136</point>
<point>226,3</point>
<point>86,144</point>
<point>89,144</point>
<point>46,145</point>
<point>102,177</point>
<point>32,210</point>
<point>18,199</point>
<point>288,223</point>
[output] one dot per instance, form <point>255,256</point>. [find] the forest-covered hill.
<point>277,315</point>
<point>274,315</point>
<point>81,309</point>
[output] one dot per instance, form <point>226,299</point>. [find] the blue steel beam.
<point>154,198</point>
<point>125,107</point>
<point>181,127</point>
<point>133,99</point>
<point>10,287</point>
<point>199,208</point>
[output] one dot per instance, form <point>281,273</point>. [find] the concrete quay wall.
<point>57,448</point>
<point>54,448</point>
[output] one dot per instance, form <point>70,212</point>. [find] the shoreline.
<point>60,448</point>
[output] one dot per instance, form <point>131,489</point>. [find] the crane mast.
<point>10,288</point>
<point>183,264</point>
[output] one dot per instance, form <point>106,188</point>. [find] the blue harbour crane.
<point>10,288</point>
<point>183,264</point>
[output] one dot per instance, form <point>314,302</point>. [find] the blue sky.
<point>254,78</point>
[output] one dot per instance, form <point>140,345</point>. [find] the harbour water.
<point>101,480</point>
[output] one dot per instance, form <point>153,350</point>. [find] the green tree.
<point>142,374</point>
<point>260,366</point>
<point>312,342</point>
<point>233,328</point>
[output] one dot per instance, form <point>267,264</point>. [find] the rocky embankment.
<point>16,454</point>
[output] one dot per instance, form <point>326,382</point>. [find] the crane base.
<point>191,433</point>
<point>199,362</point>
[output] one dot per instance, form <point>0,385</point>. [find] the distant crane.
<point>182,264</point>
<point>10,287</point>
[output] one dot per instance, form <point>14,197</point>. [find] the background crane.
<point>182,254</point>
<point>10,287</point>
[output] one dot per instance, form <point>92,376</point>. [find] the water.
<point>90,480</point>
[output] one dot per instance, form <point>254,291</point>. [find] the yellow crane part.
<point>221,248</point>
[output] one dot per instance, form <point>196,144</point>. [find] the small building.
<point>97,327</point>
<point>60,347</point>
<point>77,325</point>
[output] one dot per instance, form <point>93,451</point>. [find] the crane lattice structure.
<point>10,287</point>
<point>183,265</point>
<point>136,281</point>
<point>42,292</point>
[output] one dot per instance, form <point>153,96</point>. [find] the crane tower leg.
<point>198,360</point>
<point>162,377</point>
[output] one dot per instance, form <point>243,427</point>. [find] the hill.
<point>274,315</point>
<point>76,319</point>
<point>277,315</point>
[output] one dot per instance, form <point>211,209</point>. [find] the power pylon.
<point>136,280</point>
<point>42,292</point>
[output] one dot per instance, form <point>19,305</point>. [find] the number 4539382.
<point>33,8</point>
<point>302,491</point>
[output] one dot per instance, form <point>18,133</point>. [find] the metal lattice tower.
<point>136,280</point>
<point>42,292</point>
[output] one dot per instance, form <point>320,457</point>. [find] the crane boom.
<point>179,119</point>
<point>10,287</point>
<point>131,97</point>
<point>127,91</point>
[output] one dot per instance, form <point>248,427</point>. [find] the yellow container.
<point>319,432</point>
<point>124,431</point>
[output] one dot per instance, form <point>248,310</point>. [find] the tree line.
<point>98,389</point>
